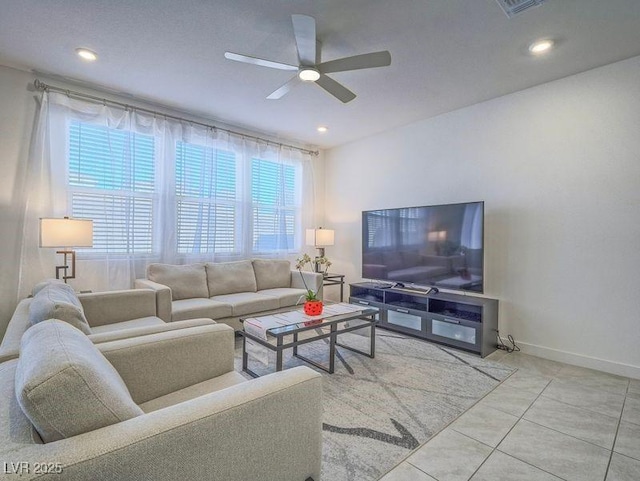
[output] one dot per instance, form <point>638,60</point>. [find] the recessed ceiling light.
<point>322,129</point>
<point>309,74</point>
<point>87,54</point>
<point>541,46</point>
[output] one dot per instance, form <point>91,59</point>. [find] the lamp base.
<point>320,254</point>
<point>65,267</point>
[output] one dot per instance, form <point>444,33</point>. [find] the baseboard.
<point>611,367</point>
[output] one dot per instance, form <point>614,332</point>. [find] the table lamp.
<point>319,238</point>
<point>66,233</point>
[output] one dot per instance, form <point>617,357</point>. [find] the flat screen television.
<point>435,245</point>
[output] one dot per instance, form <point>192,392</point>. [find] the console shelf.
<point>460,321</point>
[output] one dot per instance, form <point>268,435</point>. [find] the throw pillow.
<point>41,285</point>
<point>65,386</point>
<point>58,301</point>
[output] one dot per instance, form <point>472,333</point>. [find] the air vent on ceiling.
<point>514,7</point>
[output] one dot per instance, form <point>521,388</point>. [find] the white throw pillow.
<point>58,301</point>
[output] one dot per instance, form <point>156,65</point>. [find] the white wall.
<point>558,167</point>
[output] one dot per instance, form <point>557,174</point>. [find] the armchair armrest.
<point>19,323</point>
<point>109,307</point>
<point>163,297</point>
<point>146,330</point>
<point>154,365</point>
<point>268,428</point>
<point>313,280</point>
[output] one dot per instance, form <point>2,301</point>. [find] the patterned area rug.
<point>376,411</point>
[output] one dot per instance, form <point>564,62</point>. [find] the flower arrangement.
<point>322,261</point>
<point>306,260</point>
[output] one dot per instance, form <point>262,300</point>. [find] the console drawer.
<point>456,332</point>
<point>404,318</point>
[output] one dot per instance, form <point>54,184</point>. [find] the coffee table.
<point>314,329</point>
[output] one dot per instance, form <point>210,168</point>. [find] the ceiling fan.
<point>310,69</point>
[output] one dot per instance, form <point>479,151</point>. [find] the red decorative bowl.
<point>313,308</point>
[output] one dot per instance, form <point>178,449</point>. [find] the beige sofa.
<point>109,315</point>
<point>227,291</point>
<point>164,406</point>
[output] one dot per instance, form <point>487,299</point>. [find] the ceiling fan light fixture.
<point>86,54</point>
<point>308,74</point>
<point>541,46</point>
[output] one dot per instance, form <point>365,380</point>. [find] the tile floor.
<point>548,421</point>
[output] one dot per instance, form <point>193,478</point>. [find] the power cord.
<point>501,345</point>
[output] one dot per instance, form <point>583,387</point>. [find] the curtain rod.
<point>71,93</point>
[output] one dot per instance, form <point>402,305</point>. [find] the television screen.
<point>438,245</point>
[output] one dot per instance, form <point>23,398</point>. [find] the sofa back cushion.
<point>65,386</point>
<point>272,273</point>
<point>230,277</point>
<point>186,282</point>
<point>58,301</point>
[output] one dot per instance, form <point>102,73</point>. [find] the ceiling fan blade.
<point>339,91</point>
<point>258,61</point>
<point>293,81</point>
<point>366,60</point>
<point>304,29</point>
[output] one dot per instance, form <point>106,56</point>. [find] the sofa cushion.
<point>185,281</point>
<point>192,308</point>
<point>65,386</point>
<point>272,273</point>
<point>132,324</point>
<point>230,277</point>
<point>287,296</point>
<point>243,303</point>
<point>58,301</point>
<point>195,390</point>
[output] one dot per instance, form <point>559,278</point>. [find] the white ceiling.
<point>446,54</point>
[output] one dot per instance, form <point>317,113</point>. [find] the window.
<point>275,209</point>
<point>214,201</point>
<point>111,179</point>
<point>206,200</point>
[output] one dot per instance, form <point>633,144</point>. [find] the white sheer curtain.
<point>49,193</point>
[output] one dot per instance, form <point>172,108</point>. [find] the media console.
<point>465,322</point>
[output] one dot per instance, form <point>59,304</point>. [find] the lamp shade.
<point>66,232</point>
<point>437,235</point>
<point>320,237</point>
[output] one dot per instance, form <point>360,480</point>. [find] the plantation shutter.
<point>273,193</point>
<point>111,178</point>
<point>206,199</point>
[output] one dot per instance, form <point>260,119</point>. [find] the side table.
<point>335,280</point>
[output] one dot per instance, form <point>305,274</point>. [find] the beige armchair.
<point>110,316</point>
<point>181,410</point>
